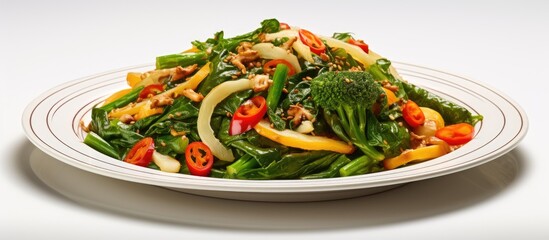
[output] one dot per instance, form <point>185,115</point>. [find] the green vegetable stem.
<point>275,91</point>
<point>355,166</point>
<point>332,171</point>
<point>243,163</point>
<point>181,59</point>
<point>124,100</point>
<point>96,142</point>
<point>292,165</point>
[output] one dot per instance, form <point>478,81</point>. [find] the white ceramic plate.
<point>409,202</point>
<point>52,123</point>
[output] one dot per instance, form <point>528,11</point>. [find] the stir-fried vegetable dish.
<point>280,102</point>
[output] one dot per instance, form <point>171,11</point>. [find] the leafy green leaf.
<point>171,145</point>
<point>451,112</point>
<point>390,136</point>
<point>121,136</point>
<point>292,165</point>
<point>342,36</point>
<point>232,102</point>
<point>270,25</point>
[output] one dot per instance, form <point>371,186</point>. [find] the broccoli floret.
<point>351,95</point>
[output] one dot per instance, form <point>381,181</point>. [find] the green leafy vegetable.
<point>334,96</point>
<point>121,136</point>
<point>332,171</point>
<point>275,91</point>
<point>291,166</point>
<point>451,112</point>
<point>181,59</point>
<point>96,142</point>
<point>390,136</point>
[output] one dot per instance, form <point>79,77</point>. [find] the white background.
<point>500,43</point>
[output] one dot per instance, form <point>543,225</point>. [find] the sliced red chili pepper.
<point>141,153</point>
<point>456,134</point>
<point>248,115</point>
<point>412,114</point>
<point>284,26</point>
<point>270,65</point>
<point>360,44</point>
<point>315,44</point>
<point>151,90</point>
<point>199,159</point>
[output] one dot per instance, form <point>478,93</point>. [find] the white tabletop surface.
<point>45,43</point>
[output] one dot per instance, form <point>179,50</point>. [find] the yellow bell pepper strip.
<point>133,78</point>
<point>416,155</point>
<point>160,75</point>
<point>147,110</point>
<point>192,83</point>
<point>391,97</point>
<point>130,109</point>
<point>193,49</point>
<point>302,141</point>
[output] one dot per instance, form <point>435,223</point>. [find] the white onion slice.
<point>270,51</point>
<point>214,97</point>
<point>166,163</point>
<point>355,51</point>
<point>289,33</point>
<point>302,50</point>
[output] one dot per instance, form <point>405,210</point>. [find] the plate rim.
<point>264,186</point>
